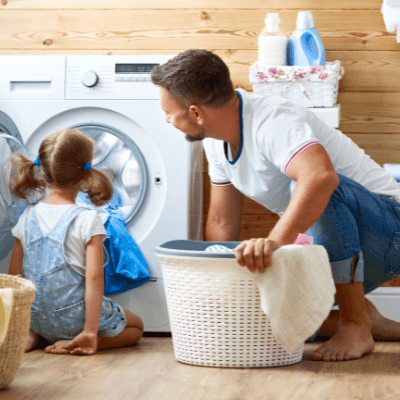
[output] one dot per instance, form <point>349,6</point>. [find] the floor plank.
<point>149,371</point>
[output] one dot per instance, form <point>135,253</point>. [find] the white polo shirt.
<point>273,132</point>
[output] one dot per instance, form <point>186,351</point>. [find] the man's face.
<point>177,115</point>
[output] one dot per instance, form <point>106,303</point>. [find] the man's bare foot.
<point>32,341</point>
<point>57,347</point>
<point>349,343</point>
<point>382,327</point>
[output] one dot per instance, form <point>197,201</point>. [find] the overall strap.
<point>59,231</point>
<point>32,230</point>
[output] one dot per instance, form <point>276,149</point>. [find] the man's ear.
<point>196,114</point>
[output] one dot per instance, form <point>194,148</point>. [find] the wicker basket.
<point>215,311</point>
<point>309,86</point>
<point>13,346</point>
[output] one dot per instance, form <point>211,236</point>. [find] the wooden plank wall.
<point>352,31</point>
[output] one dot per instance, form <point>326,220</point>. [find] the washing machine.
<point>157,172</point>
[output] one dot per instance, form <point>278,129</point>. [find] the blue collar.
<point>241,133</point>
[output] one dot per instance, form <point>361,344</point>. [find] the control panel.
<point>117,77</point>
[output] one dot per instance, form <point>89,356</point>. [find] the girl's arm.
<point>94,286</point>
<point>86,342</point>
<point>17,258</point>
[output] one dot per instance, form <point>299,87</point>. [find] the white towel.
<point>297,293</point>
<point>6,303</point>
<point>391,14</point>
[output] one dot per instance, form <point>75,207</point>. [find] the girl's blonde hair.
<point>62,157</point>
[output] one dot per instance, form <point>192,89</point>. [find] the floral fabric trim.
<point>331,72</point>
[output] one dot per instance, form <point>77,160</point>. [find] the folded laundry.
<point>393,3</point>
<point>391,14</point>
<point>126,268</point>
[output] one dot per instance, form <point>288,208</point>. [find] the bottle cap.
<point>272,22</point>
<point>305,20</point>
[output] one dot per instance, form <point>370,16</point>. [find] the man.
<point>320,183</point>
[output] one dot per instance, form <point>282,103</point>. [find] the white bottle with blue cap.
<point>305,46</point>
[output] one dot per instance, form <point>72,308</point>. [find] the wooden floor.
<point>149,371</point>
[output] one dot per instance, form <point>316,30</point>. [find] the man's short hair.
<point>195,77</point>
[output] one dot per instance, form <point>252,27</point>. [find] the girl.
<point>59,247</point>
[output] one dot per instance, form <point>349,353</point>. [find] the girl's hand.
<point>85,343</point>
<point>256,254</point>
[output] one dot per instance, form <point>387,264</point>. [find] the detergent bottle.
<point>305,47</point>
<point>272,43</point>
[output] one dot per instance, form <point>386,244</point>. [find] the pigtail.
<point>24,182</point>
<point>99,188</point>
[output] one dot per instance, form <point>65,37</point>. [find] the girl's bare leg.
<point>32,340</point>
<point>130,335</point>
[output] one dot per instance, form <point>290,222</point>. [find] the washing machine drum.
<point>117,154</point>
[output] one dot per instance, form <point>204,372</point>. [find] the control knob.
<point>90,78</point>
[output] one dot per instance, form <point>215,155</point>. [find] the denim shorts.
<point>361,232</point>
<point>67,322</point>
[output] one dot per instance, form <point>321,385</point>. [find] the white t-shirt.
<point>274,130</point>
<point>85,225</point>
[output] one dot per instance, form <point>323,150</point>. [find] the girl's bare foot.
<point>57,347</point>
<point>349,343</point>
<point>32,340</point>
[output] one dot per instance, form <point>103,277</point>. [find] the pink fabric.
<point>304,239</point>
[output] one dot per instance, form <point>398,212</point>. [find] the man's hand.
<point>256,254</point>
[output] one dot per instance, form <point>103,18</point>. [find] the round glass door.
<point>10,140</point>
<point>120,156</point>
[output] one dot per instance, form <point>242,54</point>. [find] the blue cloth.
<point>218,248</point>
<point>359,228</point>
<point>58,311</point>
<point>127,268</point>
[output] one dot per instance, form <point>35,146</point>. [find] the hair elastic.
<point>87,167</point>
<point>37,161</point>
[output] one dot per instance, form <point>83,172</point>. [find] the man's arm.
<point>224,214</point>
<point>316,180</point>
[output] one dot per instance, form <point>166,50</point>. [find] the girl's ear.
<point>196,114</point>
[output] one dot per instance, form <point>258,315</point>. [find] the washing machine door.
<point>10,206</point>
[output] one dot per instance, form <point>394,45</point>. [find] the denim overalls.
<point>58,311</point>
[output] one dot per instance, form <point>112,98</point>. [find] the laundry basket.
<point>215,311</point>
<point>13,346</point>
<point>311,86</point>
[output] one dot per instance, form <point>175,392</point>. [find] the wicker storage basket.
<point>214,309</point>
<point>316,86</point>
<point>13,346</point>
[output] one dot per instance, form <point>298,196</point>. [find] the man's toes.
<point>317,355</point>
<point>347,355</point>
<point>329,356</point>
<point>340,355</point>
